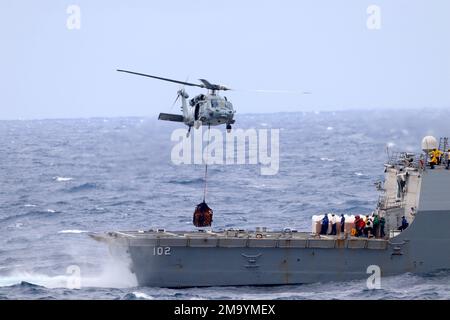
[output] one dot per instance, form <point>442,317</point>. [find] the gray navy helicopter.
<point>204,109</point>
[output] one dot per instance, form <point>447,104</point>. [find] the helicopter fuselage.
<point>211,110</point>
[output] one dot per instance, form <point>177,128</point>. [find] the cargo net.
<point>202,215</point>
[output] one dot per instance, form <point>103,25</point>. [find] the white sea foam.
<point>29,205</point>
<point>72,231</point>
<point>33,278</point>
<point>327,159</point>
<point>141,295</point>
<point>114,274</point>
<point>51,210</point>
<point>330,128</point>
<point>62,179</point>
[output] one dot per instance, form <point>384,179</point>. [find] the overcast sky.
<point>326,47</point>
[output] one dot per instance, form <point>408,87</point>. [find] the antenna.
<point>387,153</point>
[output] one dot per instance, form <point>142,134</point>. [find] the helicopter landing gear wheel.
<point>228,128</point>
<point>188,132</point>
<point>197,124</point>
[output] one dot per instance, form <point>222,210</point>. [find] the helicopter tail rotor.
<point>176,99</point>
<point>180,93</point>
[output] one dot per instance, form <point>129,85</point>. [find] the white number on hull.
<point>161,251</point>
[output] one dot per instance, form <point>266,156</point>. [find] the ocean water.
<point>62,178</point>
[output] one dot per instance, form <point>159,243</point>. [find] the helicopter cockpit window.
<point>214,103</point>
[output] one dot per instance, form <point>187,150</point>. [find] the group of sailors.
<point>371,226</point>
<point>438,157</point>
<point>333,220</point>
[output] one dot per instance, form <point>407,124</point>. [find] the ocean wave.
<point>83,187</point>
<point>30,214</point>
<point>114,274</point>
<point>24,284</point>
<point>187,181</point>
<point>137,296</point>
<point>27,279</point>
<point>161,194</point>
<point>361,175</point>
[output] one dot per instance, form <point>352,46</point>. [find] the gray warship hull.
<point>232,258</point>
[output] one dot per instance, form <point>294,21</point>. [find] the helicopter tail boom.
<point>184,108</point>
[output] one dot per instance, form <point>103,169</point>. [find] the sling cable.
<point>203,214</point>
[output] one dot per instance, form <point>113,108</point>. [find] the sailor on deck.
<point>359,225</point>
<point>382,223</point>
<point>404,225</point>
<point>435,157</point>
<point>342,223</point>
<point>376,225</point>
<point>368,229</point>
<point>324,228</point>
<point>333,224</point>
<point>447,159</point>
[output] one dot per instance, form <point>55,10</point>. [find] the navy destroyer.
<point>416,187</point>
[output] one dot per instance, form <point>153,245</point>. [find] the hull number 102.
<point>161,251</point>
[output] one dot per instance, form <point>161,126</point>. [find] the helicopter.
<point>208,109</point>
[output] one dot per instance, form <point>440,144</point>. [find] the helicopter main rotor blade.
<point>279,91</point>
<point>211,86</point>
<point>164,79</point>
